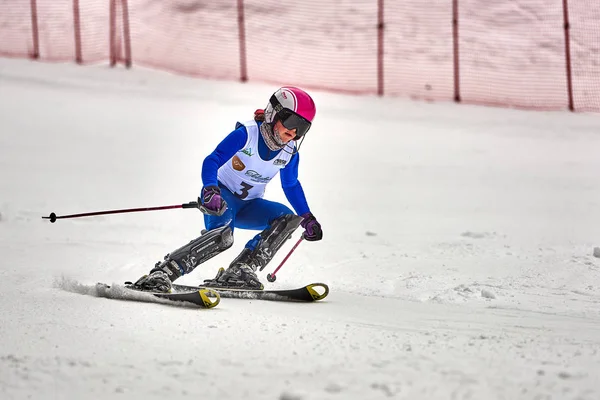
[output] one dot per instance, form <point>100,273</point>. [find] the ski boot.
<point>241,274</point>
<point>156,281</point>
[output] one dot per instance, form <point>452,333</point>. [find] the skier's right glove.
<point>312,228</point>
<point>211,202</point>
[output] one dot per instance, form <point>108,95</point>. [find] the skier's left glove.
<point>211,202</point>
<point>312,228</point>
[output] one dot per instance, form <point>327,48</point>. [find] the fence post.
<point>34,30</point>
<point>456,51</point>
<point>126,33</point>
<point>112,32</point>
<point>242,41</point>
<point>567,28</point>
<point>77,31</point>
<point>380,48</point>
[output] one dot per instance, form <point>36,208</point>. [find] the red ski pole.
<point>271,277</point>
<point>53,217</point>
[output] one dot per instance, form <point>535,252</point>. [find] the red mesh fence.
<point>538,54</point>
<point>94,30</point>
<point>198,38</point>
<point>16,29</point>
<point>513,53</point>
<point>330,45</point>
<point>418,43</point>
<point>585,53</point>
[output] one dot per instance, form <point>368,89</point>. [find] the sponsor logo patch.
<point>237,164</point>
<point>247,151</point>
<point>279,161</point>
<point>256,177</point>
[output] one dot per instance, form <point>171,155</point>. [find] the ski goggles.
<point>289,119</point>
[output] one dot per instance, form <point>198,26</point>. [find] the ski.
<point>203,297</point>
<point>309,293</point>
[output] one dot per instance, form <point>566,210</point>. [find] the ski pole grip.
<point>191,204</point>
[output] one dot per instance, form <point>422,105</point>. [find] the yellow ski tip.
<point>206,295</point>
<point>312,289</point>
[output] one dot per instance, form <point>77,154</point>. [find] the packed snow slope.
<point>458,247</point>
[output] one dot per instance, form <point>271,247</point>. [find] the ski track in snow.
<point>468,272</point>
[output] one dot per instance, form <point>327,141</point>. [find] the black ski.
<point>308,293</point>
<point>203,297</point>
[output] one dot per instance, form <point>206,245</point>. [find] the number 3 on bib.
<point>245,189</point>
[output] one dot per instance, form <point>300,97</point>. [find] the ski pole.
<point>53,217</point>
<point>271,277</point>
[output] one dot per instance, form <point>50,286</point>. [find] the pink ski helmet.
<point>293,107</point>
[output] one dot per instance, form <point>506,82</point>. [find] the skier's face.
<point>284,134</point>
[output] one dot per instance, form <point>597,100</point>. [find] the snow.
<point>460,247</point>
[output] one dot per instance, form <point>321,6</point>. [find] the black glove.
<point>312,228</point>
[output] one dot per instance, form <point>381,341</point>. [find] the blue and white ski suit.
<point>242,165</point>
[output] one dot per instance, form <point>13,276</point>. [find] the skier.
<point>234,178</point>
